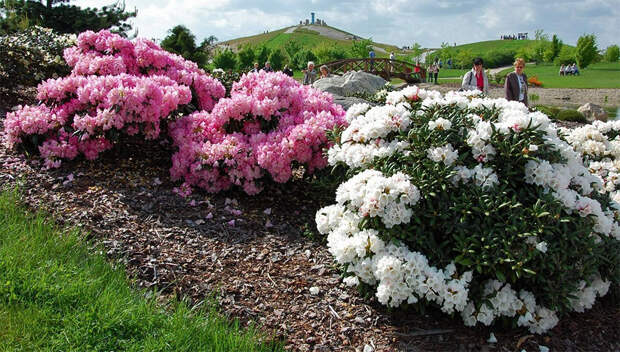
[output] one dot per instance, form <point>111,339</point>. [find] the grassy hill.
<point>308,38</point>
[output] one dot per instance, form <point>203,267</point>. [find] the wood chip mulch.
<point>258,256</point>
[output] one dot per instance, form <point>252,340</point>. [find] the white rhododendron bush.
<point>473,205</point>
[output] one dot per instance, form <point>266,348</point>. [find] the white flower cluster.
<point>440,124</point>
<point>482,176</point>
<point>363,141</point>
<point>445,154</point>
<point>504,301</point>
<point>372,194</point>
<point>411,94</point>
<point>401,275</point>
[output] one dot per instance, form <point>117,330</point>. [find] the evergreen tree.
<point>64,18</point>
<point>180,40</point>
<point>225,59</point>
<point>246,58</point>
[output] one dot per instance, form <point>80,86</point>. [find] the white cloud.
<point>400,22</point>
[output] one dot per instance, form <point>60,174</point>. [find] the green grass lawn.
<point>600,75</point>
<point>56,295</point>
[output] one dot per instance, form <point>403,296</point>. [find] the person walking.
<point>372,55</point>
<point>516,83</point>
<point>309,74</point>
<point>476,79</point>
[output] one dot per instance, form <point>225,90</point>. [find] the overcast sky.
<point>399,22</point>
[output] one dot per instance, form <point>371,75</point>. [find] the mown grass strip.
<point>56,295</point>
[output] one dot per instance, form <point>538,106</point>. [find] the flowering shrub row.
<point>473,205</point>
<point>31,55</point>
<point>269,124</point>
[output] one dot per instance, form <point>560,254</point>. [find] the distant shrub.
<point>225,59</point>
<point>534,81</point>
<point>570,115</point>
<point>550,111</point>
<point>300,60</point>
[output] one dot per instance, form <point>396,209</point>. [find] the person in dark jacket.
<point>516,83</point>
<point>267,67</point>
<point>287,71</point>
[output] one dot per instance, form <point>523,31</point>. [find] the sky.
<point>398,22</point>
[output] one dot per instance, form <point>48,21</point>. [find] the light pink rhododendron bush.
<point>269,124</point>
<point>116,86</point>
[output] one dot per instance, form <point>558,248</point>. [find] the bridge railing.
<point>385,68</point>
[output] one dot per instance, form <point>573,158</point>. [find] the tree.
<point>556,46</point>
<point>417,51</point>
<point>64,18</point>
<point>262,55</point>
<point>246,58</point>
<point>326,53</point>
<point>360,48</point>
<point>207,45</point>
<point>225,59</point>
<point>180,40</point>
<point>300,60</point>
<point>276,59</point>
<point>612,54</point>
<point>566,56</point>
<point>291,48</point>
<point>586,50</point>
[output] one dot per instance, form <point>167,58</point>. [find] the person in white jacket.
<point>476,78</point>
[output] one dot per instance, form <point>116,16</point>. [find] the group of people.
<point>515,87</point>
<point>569,70</point>
<point>310,75</point>
<point>267,68</point>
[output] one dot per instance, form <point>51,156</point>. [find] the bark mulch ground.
<point>257,255</point>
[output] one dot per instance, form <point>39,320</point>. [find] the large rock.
<point>350,83</point>
<point>346,102</point>
<point>593,112</point>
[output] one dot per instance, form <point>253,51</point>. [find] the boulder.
<point>346,102</point>
<point>593,112</point>
<point>350,83</point>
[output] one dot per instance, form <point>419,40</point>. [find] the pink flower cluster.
<point>116,84</point>
<point>269,122</point>
<point>88,107</point>
<point>104,53</point>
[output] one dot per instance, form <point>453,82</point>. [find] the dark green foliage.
<point>262,55</point>
<point>225,59</point>
<point>586,51</point>
<point>570,115</point>
<point>246,58</point>
<point>292,47</point>
<point>276,59</point>
<point>327,53</point>
<point>300,61</point>
<point>65,18</point>
<point>556,46</point>
<point>180,40</point>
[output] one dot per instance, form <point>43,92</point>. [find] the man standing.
<point>267,67</point>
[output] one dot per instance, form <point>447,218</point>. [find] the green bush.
<point>570,115</point>
<point>225,59</point>
<point>300,60</point>
<point>550,111</point>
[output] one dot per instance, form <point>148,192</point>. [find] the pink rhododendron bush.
<point>475,206</point>
<point>116,86</point>
<point>268,125</point>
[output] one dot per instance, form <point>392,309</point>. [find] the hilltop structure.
<point>312,21</point>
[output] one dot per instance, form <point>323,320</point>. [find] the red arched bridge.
<point>385,68</point>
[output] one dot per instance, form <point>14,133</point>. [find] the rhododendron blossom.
<point>269,123</point>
